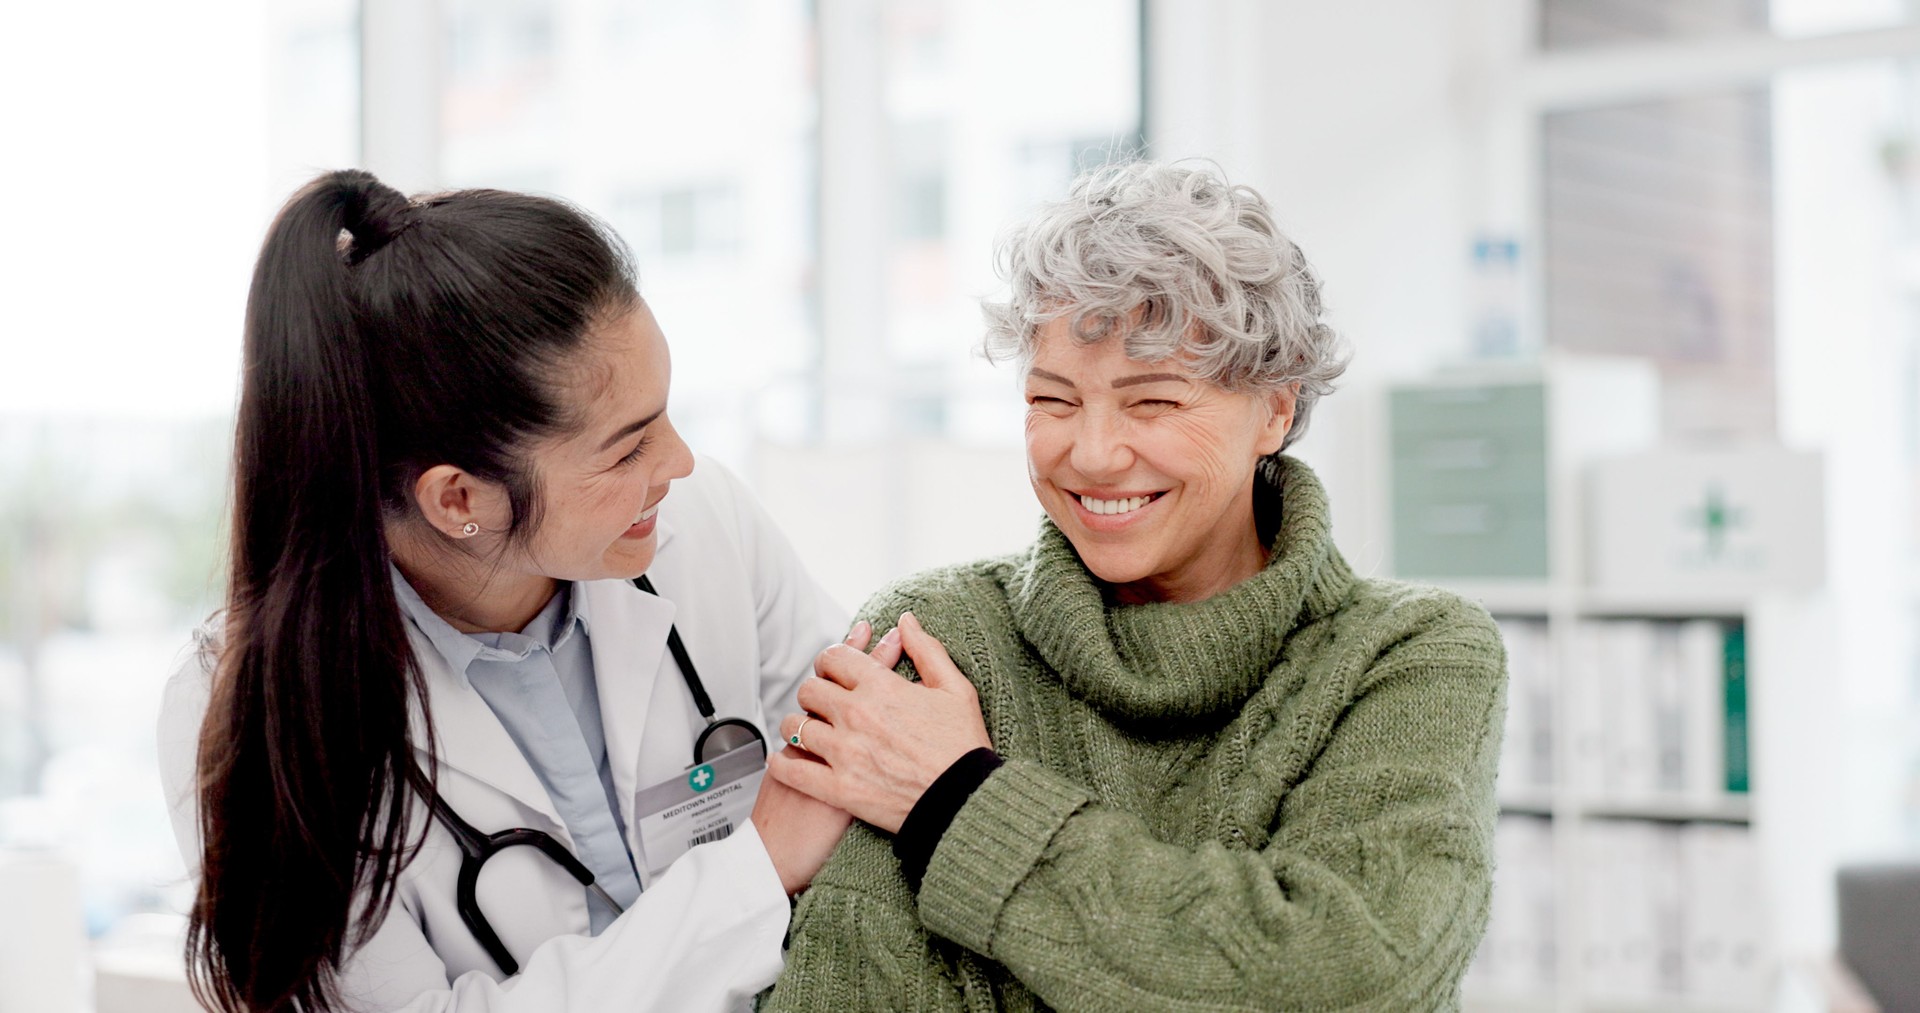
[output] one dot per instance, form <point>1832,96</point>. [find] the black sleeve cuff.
<point>920,833</point>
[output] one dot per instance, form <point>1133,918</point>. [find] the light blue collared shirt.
<point>540,684</point>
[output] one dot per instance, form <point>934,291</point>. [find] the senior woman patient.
<point>1175,754</point>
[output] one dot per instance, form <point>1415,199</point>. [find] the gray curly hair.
<point>1178,262</point>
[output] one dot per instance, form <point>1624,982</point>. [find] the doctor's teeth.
<point>1114,506</point>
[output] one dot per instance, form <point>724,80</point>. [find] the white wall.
<point>862,516</point>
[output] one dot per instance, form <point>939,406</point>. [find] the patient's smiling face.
<point>1147,469</point>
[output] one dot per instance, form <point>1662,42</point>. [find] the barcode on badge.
<point>719,833</point>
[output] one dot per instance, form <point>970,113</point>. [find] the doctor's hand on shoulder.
<point>799,831</point>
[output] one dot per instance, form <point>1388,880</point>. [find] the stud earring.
<point>469,529</point>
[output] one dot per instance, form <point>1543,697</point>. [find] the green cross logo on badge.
<point>702,777</point>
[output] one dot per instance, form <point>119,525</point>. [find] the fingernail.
<point>859,628</point>
<point>892,637</point>
<point>906,617</point>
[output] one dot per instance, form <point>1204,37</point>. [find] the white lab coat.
<point>704,935</point>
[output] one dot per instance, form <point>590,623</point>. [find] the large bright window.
<point>152,145</point>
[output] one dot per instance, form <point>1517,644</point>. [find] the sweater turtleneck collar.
<point>1182,662</point>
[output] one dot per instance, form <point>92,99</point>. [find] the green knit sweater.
<point>1279,798</point>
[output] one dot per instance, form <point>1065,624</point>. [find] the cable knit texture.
<point>1279,798</point>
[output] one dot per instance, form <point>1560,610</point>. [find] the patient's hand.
<point>876,740</point>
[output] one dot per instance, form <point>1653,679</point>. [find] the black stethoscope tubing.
<point>476,847</point>
<point>701,701</point>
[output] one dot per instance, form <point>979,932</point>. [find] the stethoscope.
<point>720,737</point>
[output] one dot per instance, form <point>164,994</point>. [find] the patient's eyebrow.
<point>1139,378</point>
<point>1125,381</point>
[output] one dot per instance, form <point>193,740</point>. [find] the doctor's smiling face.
<point>601,485</point>
<point>1147,469</point>
<point>597,487</point>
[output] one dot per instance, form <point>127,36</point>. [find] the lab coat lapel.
<point>471,738</point>
<point>629,642</point>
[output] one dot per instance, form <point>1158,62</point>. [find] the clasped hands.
<point>875,742</point>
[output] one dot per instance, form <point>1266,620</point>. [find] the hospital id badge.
<point>706,803</point>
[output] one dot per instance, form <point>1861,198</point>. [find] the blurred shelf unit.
<point>1629,848</point>
<point>1628,859</point>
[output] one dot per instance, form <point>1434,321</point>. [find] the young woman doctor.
<point>444,752</point>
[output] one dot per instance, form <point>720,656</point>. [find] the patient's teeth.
<point>1114,506</point>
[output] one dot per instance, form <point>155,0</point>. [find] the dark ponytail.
<point>382,338</point>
